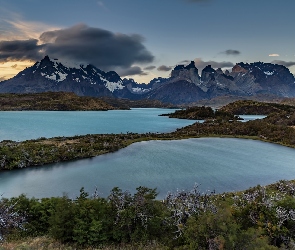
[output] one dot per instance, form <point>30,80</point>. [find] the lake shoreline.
<point>73,144</point>
<point>220,164</point>
<point>275,128</point>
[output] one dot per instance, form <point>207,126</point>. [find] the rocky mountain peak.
<point>219,71</point>
<point>239,69</point>
<point>188,73</point>
<point>184,86</point>
<point>209,69</point>
<point>46,58</point>
<point>191,66</point>
<point>112,76</point>
<point>208,74</point>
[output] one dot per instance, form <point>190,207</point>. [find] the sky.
<point>146,39</point>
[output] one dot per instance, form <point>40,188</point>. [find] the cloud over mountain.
<point>164,68</point>
<point>284,63</point>
<point>151,67</point>
<point>81,43</point>
<point>135,70</point>
<point>20,50</point>
<point>200,64</point>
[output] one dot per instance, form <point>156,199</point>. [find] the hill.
<point>58,101</point>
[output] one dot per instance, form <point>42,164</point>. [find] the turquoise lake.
<point>220,164</point>
<point>25,125</point>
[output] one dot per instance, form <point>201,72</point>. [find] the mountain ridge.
<point>184,85</point>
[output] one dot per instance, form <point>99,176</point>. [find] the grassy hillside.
<point>57,101</point>
<point>144,103</point>
<point>249,107</point>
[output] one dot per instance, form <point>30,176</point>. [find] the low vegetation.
<point>66,101</point>
<point>220,101</point>
<point>51,101</point>
<point>258,218</point>
<point>202,113</point>
<point>249,107</point>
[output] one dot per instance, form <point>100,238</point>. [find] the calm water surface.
<point>251,117</point>
<point>214,163</point>
<point>24,125</point>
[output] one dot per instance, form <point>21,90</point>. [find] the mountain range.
<point>185,85</point>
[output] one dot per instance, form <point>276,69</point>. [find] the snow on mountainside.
<point>52,75</point>
<point>184,86</point>
<point>56,71</point>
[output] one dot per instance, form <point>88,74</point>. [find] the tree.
<point>10,219</point>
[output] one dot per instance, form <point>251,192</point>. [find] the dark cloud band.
<point>150,67</point>
<point>284,63</point>
<point>20,50</point>
<point>164,68</point>
<point>200,64</point>
<point>231,52</point>
<point>135,70</point>
<point>83,44</point>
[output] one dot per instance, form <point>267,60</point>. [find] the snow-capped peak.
<point>269,73</point>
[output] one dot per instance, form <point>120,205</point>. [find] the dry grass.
<point>47,243</point>
<point>59,143</point>
<point>39,243</point>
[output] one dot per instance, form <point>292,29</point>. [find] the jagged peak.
<point>179,67</point>
<point>46,62</point>
<point>240,67</point>
<point>219,71</point>
<point>191,65</point>
<point>46,58</point>
<point>209,69</point>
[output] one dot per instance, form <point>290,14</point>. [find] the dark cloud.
<point>20,50</point>
<point>200,64</point>
<point>231,52</point>
<point>184,62</point>
<point>284,63</point>
<point>83,44</point>
<point>164,68</point>
<point>14,66</point>
<point>135,70</point>
<point>149,67</point>
<point>102,48</point>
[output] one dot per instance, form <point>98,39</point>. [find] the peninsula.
<point>277,127</point>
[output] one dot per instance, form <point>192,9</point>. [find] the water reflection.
<point>215,163</point>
